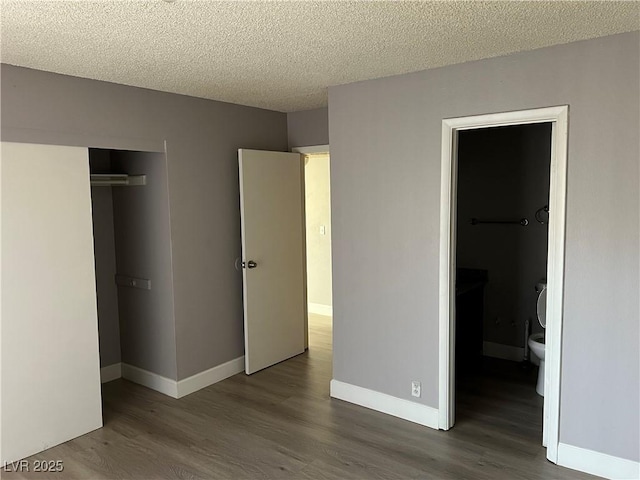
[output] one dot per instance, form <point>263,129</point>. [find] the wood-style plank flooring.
<point>281,423</point>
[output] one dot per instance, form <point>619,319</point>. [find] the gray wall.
<point>105,260</point>
<point>385,155</point>
<point>201,138</point>
<point>143,250</point>
<point>309,127</point>
<point>503,173</point>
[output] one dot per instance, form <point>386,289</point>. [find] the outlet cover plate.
<point>416,389</point>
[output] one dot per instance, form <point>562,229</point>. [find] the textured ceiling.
<point>284,55</point>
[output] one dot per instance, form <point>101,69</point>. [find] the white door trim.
<point>559,116</point>
<point>311,150</point>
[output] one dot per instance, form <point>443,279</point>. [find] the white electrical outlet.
<point>415,389</point>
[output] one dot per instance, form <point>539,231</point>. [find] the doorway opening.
<point>318,248</point>
<point>134,277</point>
<point>501,259</point>
<point>282,253</point>
<point>493,220</point>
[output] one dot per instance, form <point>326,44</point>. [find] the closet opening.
<point>134,278</point>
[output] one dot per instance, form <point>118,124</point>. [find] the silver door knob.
<point>251,264</point>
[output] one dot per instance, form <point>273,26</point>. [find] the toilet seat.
<point>537,337</point>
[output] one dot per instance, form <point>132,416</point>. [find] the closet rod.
<point>117,180</point>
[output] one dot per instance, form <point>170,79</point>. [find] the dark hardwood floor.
<point>281,423</point>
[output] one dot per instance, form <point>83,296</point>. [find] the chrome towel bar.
<point>523,222</point>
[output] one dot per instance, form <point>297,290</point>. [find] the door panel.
<point>273,252</point>
<point>50,360</point>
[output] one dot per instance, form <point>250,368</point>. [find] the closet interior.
<point>132,245</point>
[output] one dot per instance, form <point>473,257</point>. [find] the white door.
<point>273,255</point>
<point>50,361</point>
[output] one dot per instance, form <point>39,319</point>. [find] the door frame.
<point>558,116</point>
<point>310,150</point>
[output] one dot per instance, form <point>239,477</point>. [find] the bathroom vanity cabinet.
<point>470,284</point>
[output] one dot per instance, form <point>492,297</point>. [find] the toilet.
<point>536,341</point>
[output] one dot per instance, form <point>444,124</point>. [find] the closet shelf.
<point>117,180</point>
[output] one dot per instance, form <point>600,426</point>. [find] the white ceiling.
<point>283,55</point>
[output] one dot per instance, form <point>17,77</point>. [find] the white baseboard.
<point>381,402</point>
<point>320,309</point>
<point>209,377</point>
<point>179,389</point>
<point>505,352</point>
<point>597,463</point>
<point>110,372</point>
<point>150,380</point>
